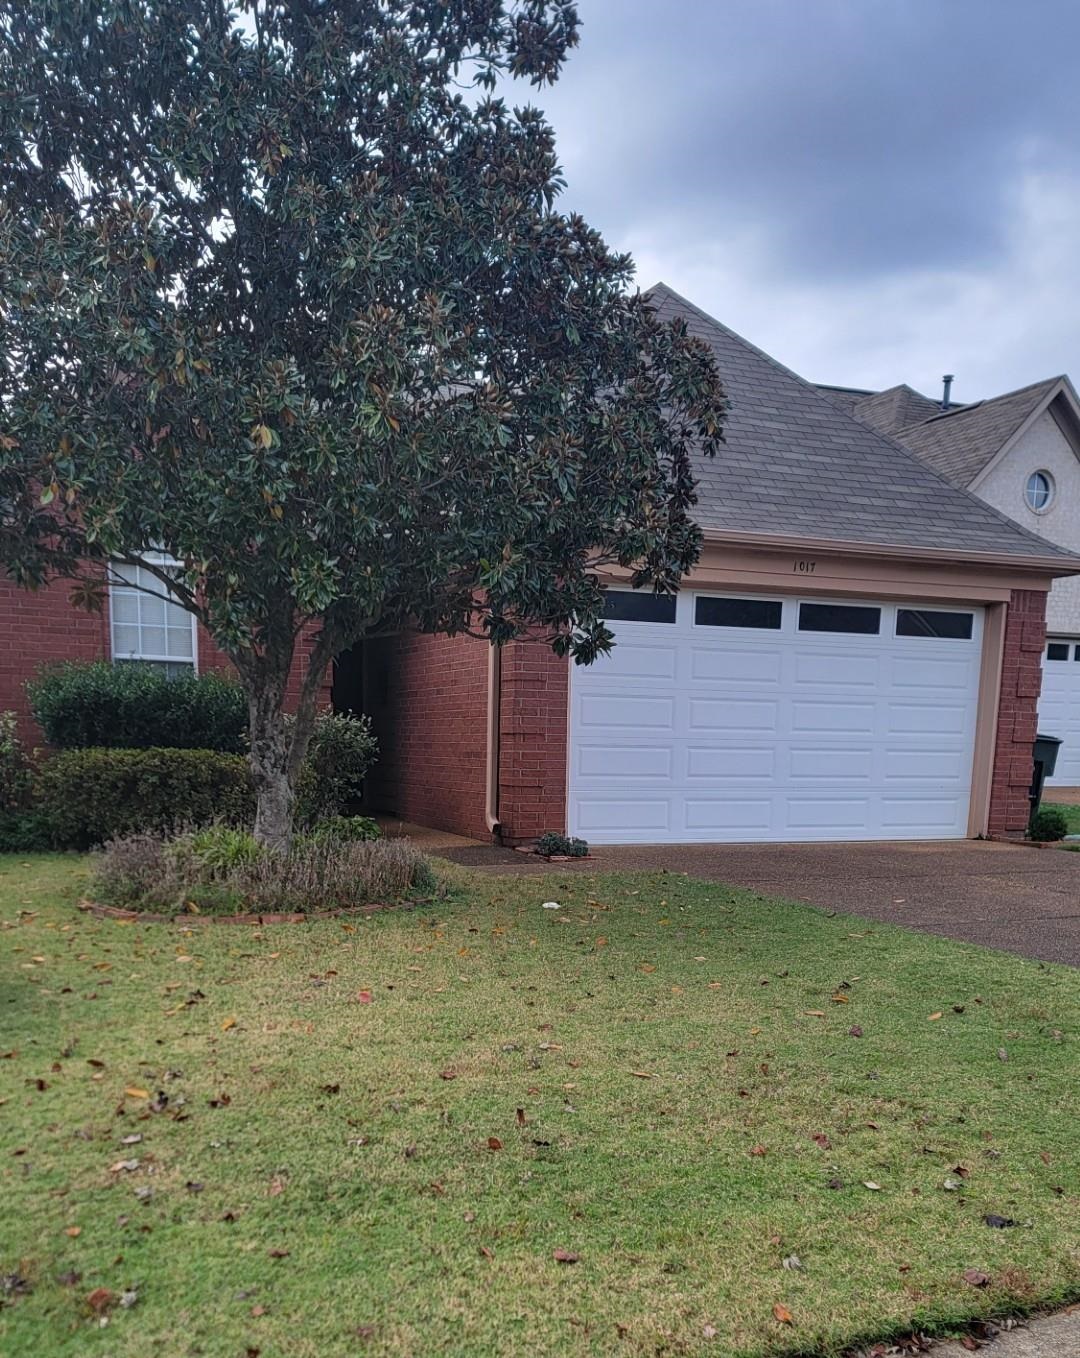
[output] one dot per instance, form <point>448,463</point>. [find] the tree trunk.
<point>270,767</point>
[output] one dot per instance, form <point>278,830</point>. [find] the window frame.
<point>1059,646</point>
<point>116,583</point>
<point>1051,491</point>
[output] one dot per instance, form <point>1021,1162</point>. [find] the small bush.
<point>25,832</point>
<point>345,828</point>
<point>221,848</point>
<point>552,843</point>
<point>133,706</point>
<point>342,750</point>
<point>89,796</point>
<point>1048,824</point>
<point>16,776</point>
<point>147,871</point>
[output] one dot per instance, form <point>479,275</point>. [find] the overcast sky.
<point>874,191</point>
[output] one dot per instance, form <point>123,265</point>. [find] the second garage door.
<point>719,718</point>
<point>1059,707</point>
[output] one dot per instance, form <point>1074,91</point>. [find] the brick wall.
<point>1021,679</point>
<point>427,699</point>
<point>532,755</point>
<point>41,626</point>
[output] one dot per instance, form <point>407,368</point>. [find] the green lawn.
<point>1071,814</point>
<point>340,1166</point>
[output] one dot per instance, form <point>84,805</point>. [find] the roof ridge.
<point>865,429</point>
<point>962,408</point>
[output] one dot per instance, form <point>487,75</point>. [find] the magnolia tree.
<point>285,300</point>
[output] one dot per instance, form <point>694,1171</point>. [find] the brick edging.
<point>117,912</point>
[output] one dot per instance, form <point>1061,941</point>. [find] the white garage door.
<point>1059,707</point>
<point>732,718</point>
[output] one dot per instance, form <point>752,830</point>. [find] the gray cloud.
<point>859,184</point>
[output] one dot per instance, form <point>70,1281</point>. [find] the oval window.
<point>1039,492</point>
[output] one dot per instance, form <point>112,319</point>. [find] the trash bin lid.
<point>1048,740</point>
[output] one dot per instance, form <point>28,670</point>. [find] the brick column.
<point>533,731</point>
<point>1021,681</point>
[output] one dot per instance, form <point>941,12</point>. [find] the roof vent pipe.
<point>948,381</point>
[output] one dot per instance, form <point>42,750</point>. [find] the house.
<point>1019,452</point>
<point>855,656</point>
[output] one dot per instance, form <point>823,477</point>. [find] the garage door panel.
<point>712,733</point>
<point>929,719</point>
<point>721,814</point>
<point>600,814</point>
<point>624,761</point>
<point>732,714</point>
<point>812,763</point>
<point>620,710</point>
<point>1059,709</point>
<point>726,762</point>
<point>924,672</point>
<point>737,664</point>
<point>857,671</point>
<point>826,714</point>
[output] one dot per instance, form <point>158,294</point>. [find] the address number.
<point>803,567</point>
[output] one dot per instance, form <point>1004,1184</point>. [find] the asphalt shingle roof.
<point>894,409</point>
<point>959,443</point>
<point>795,464</point>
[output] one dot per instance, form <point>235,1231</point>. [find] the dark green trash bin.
<point>1045,750</point>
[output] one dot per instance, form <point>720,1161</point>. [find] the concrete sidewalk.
<point>1041,1337</point>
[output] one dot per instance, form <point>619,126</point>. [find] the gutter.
<point>494,705</point>
<point>1059,564</point>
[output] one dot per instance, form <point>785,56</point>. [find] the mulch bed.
<point>146,917</point>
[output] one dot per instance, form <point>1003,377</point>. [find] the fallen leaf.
<point>73,1231</point>
<point>820,1139</point>
<point>521,1117</point>
<point>257,1311</point>
<point>792,1263</point>
<point>227,1024</point>
<point>934,1017</point>
<point>873,1187</point>
<point>488,1254</point>
<point>840,998</point>
<point>565,1257</point>
<point>855,1031</point>
<point>998,1223</point>
<point>782,1314</point>
<point>976,1277</point>
<point>494,1144</point>
<point>100,1300</point>
<point>133,1092</point>
<point>448,1074</point>
<point>758,1150</point>
<point>642,1074</point>
<point>364,996</point>
<point>816,1013</point>
<point>278,1254</point>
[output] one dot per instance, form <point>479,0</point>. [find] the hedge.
<point>81,705</point>
<point>88,796</point>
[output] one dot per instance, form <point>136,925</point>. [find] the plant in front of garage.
<point>1048,824</point>
<point>552,844</point>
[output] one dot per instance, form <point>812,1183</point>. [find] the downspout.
<point>494,704</point>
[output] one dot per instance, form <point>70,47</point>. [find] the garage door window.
<point>760,613</point>
<point>1057,650</point>
<point>849,618</point>
<point>624,605</point>
<point>920,622</point>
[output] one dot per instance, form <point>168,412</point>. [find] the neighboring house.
<point>855,656</point>
<point>1020,453</point>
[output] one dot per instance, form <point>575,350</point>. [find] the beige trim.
<point>494,732</point>
<point>866,552</point>
<point>986,719</point>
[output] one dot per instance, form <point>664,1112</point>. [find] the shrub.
<point>220,848</point>
<point>343,828</point>
<point>25,832</point>
<point>90,796</point>
<point>16,777</point>
<point>1048,824</point>
<point>133,706</point>
<point>147,871</point>
<point>342,750</point>
<point>552,843</point>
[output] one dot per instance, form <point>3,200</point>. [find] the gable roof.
<point>794,464</point>
<point>894,409</point>
<point>960,442</point>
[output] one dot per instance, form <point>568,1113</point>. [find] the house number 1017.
<point>803,567</point>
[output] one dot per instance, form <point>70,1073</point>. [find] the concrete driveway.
<point>1014,897</point>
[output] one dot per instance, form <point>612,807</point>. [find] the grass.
<point>340,1167</point>
<point>1071,814</point>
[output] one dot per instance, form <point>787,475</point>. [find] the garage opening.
<point>719,717</point>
